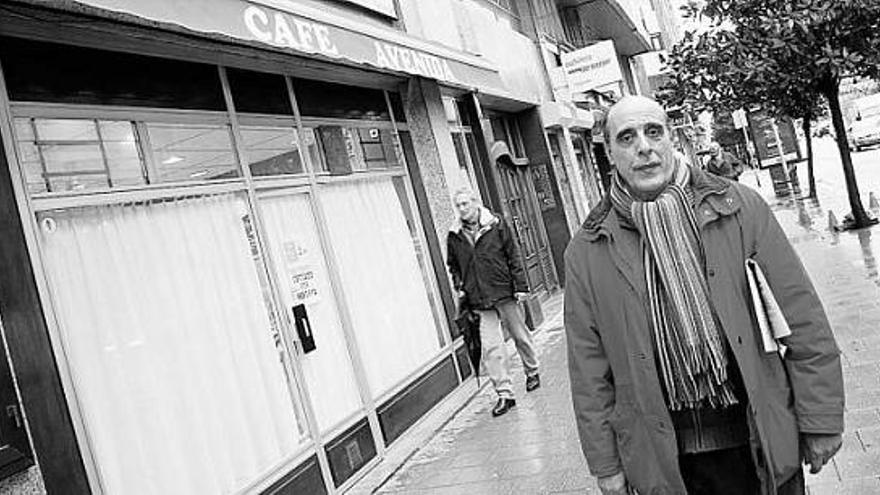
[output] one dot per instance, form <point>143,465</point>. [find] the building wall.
<point>475,27</point>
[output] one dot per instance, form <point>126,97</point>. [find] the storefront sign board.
<point>592,67</point>
<point>270,22</point>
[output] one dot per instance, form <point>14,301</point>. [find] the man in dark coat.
<point>484,262</point>
<point>674,389</point>
<point>723,163</point>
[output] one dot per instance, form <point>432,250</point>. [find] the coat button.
<point>711,272</point>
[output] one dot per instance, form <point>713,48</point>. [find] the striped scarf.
<point>687,339</point>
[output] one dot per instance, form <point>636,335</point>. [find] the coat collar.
<point>487,219</point>
<point>713,195</point>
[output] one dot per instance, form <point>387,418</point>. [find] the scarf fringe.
<point>690,350</point>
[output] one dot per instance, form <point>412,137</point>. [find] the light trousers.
<point>494,353</point>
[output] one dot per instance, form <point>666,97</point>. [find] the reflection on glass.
<point>359,148</point>
<point>310,139</point>
<point>400,188</point>
<point>66,130</point>
<point>185,152</point>
<point>78,154</point>
<point>272,150</point>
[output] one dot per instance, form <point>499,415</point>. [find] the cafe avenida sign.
<point>301,29</point>
<point>288,31</point>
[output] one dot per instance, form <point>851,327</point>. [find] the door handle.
<point>304,328</point>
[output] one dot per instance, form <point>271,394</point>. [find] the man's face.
<point>467,208</point>
<point>640,145</point>
<point>714,149</point>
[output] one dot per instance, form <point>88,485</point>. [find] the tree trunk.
<point>811,179</point>
<point>860,218</point>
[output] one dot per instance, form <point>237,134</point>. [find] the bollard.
<point>833,226</point>
<point>872,201</point>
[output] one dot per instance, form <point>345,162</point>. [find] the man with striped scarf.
<point>672,390</point>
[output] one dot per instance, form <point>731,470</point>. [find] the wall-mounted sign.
<point>281,24</point>
<point>592,67</point>
<point>289,31</point>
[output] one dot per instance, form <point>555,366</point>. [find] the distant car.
<point>865,133</point>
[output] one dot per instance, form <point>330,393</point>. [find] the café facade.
<point>221,260</point>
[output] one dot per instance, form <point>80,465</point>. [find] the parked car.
<point>864,133</point>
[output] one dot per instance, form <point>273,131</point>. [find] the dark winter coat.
<point>488,271</point>
<point>622,418</point>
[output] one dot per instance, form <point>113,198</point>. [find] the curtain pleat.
<point>380,273</point>
<point>169,344</point>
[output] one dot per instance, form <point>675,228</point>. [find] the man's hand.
<point>817,449</point>
<point>520,296</point>
<point>613,485</point>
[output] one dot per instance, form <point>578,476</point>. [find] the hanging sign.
<point>592,67</point>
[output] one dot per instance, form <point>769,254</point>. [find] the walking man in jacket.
<point>673,390</point>
<point>723,163</point>
<point>486,270</point>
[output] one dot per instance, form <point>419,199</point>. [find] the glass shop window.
<point>61,155</point>
<point>397,106</point>
<point>186,152</point>
<point>324,99</point>
<point>48,72</point>
<point>256,92</point>
<point>348,149</point>
<point>272,150</point>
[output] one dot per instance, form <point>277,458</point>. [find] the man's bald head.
<point>639,144</point>
<point>628,103</point>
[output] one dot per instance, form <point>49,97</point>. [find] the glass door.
<point>310,305</point>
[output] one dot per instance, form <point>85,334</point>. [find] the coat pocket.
<point>634,446</point>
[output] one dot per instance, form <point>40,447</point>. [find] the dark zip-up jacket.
<point>488,270</point>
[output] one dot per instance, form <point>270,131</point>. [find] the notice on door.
<point>302,278</point>
<point>304,286</point>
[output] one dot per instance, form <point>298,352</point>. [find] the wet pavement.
<point>534,448</point>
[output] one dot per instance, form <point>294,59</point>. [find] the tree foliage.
<point>780,55</point>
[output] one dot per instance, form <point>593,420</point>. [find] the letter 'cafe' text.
<point>287,31</point>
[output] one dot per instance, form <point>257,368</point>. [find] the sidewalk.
<point>534,448</point>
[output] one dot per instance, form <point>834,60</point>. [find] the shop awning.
<point>565,114</point>
<point>297,29</point>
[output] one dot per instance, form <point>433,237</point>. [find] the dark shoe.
<point>502,407</point>
<point>532,382</point>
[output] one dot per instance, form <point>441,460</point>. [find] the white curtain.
<point>296,250</point>
<point>170,345</point>
<point>380,273</point>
